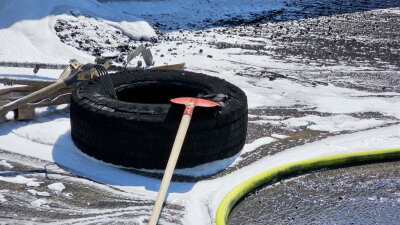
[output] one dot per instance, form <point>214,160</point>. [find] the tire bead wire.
<point>236,194</point>
<point>106,81</point>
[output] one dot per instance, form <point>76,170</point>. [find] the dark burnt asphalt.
<point>366,194</point>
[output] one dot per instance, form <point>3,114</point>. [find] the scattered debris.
<point>23,100</point>
<point>133,54</point>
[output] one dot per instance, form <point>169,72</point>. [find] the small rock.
<point>209,56</point>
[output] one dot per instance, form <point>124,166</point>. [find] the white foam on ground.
<point>41,132</point>
<point>2,198</point>
<point>30,182</point>
<point>40,203</point>
<point>256,144</point>
<point>17,179</point>
<point>56,187</point>
<point>5,164</point>
<point>333,123</point>
<point>341,123</point>
<point>33,184</point>
<point>214,167</point>
<point>279,136</point>
<point>39,193</point>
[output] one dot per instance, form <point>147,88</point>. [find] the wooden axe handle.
<point>173,158</point>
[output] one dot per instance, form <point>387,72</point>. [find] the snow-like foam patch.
<point>33,184</point>
<point>279,136</point>
<point>343,104</point>
<point>40,202</point>
<point>342,123</point>
<point>17,179</point>
<point>207,168</point>
<point>2,198</point>
<point>40,133</point>
<point>5,164</point>
<point>324,99</point>
<point>30,182</point>
<point>219,165</point>
<point>327,123</point>
<point>56,187</point>
<point>40,193</point>
<point>333,123</point>
<point>257,143</point>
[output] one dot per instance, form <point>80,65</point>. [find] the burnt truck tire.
<point>138,129</point>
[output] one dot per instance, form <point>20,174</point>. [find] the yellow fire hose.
<point>250,184</point>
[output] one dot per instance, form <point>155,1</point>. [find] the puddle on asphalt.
<point>364,194</point>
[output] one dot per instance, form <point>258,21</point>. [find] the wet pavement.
<point>363,194</point>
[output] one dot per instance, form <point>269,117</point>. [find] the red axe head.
<point>197,101</point>
<point>190,103</point>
